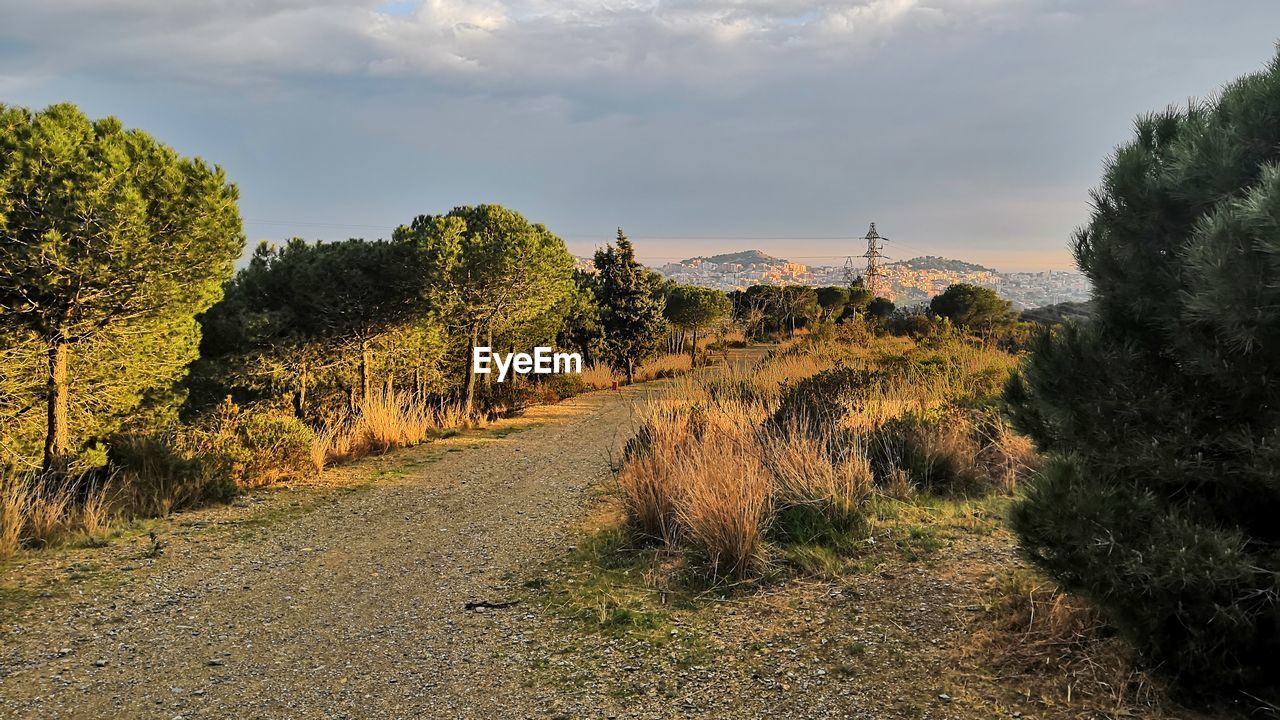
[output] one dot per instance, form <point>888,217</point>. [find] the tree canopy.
<point>110,244</point>
<point>974,308</point>
<point>631,309</point>
<point>489,270</point>
<point>1160,413</point>
<point>694,308</point>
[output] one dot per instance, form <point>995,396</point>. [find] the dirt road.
<point>353,610</point>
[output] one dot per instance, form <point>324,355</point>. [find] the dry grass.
<point>816,473</point>
<point>712,468</point>
<point>724,505</point>
<point>14,494</point>
<point>664,366</point>
<point>39,513</point>
<point>383,423</point>
<point>1047,637</point>
<point>598,376</point>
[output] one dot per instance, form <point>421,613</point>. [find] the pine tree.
<point>1162,414</point>
<point>632,315</point>
<point>489,270</point>
<point>977,309</point>
<point>110,245</point>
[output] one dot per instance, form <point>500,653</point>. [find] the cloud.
<point>493,46</point>
<point>960,125</point>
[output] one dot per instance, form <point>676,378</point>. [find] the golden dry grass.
<point>598,376</point>
<point>711,466</point>
<point>1045,637</point>
<point>36,513</point>
<point>385,422</point>
<point>663,366</point>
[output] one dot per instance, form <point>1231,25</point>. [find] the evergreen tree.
<point>106,235</point>
<point>1162,414</point>
<point>303,307</point>
<point>976,309</point>
<point>880,308</point>
<point>832,300</point>
<point>692,308</point>
<point>631,311</point>
<point>489,270</point>
<point>860,298</point>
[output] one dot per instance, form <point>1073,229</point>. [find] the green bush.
<point>817,404</point>
<point>211,460</point>
<point>258,448</point>
<point>1161,412</point>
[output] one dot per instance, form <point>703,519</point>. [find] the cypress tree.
<point>1162,414</point>
<point>632,314</point>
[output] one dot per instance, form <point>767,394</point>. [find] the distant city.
<point>908,282</point>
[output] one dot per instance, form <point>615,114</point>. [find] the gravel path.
<point>353,610</point>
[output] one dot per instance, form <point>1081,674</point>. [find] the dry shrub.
<point>158,474</point>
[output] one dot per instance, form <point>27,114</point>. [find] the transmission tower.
<point>874,272</point>
<point>851,274</point>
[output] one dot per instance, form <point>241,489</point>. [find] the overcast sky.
<point>967,128</point>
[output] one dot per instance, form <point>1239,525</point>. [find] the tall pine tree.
<point>110,245</point>
<point>1162,415</point>
<point>631,312</point>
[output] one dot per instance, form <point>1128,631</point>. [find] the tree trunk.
<point>300,398</point>
<point>631,372</point>
<point>389,386</point>
<point>693,348</point>
<point>488,379</point>
<point>366,382</point>
<point>56,440</point>
<point>471,374</point>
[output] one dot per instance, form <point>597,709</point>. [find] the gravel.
<point>356,609</point>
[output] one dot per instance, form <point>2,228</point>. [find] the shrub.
<point>1161,503</point>
<point>824,400</point>
<point>952,451</point>
<point>210,461</point>
<point>158,475</point>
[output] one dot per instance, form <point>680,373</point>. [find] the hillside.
<point>934,262</point>
<point>744,257</point>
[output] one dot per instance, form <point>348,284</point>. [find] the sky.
<point>972,129</point>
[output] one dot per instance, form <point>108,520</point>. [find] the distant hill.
<point>933,262</point>
<point>745,257</point>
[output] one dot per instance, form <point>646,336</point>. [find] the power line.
<point>604,238</point>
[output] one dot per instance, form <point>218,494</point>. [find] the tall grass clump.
<point>38,511</point>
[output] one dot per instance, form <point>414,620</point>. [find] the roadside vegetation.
<point>143,377</point>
